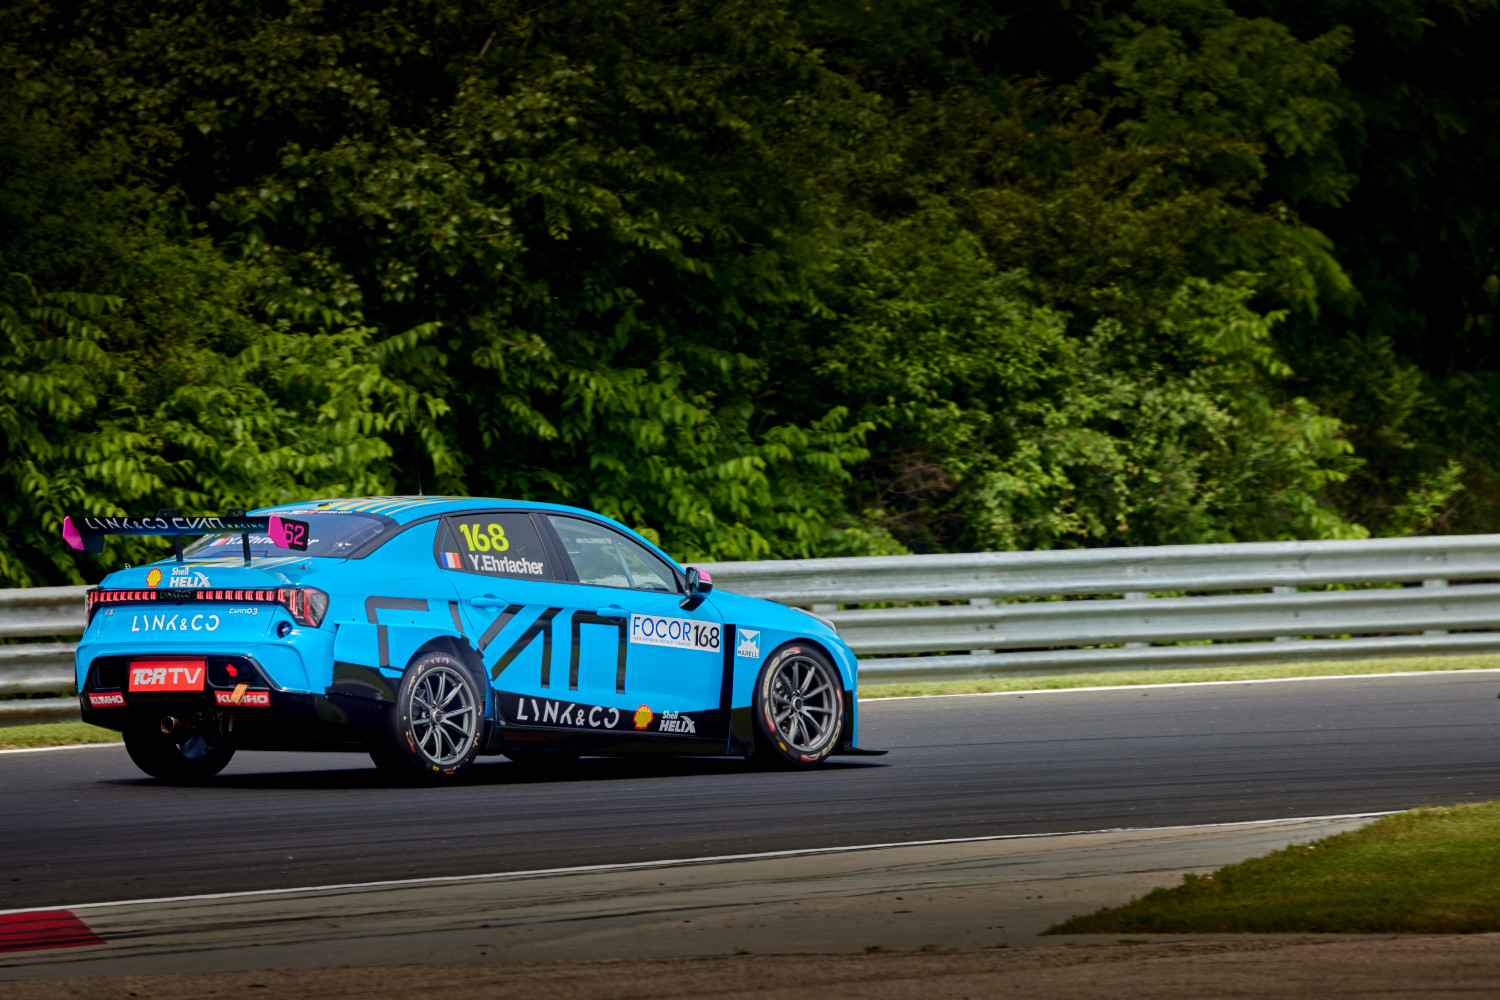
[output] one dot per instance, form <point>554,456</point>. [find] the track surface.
<point>84,826</point>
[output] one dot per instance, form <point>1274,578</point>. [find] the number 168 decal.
<point>485,537</point>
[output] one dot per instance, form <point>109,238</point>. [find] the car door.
<point>663,663</point>
<point>521,614</point>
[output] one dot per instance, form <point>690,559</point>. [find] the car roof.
<point>405,510</point>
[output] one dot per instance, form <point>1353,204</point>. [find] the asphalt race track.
<point>80,826</point>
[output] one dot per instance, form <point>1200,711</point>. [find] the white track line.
<point>679,862</point>
<point>70,746</point>
<point>868,702</point>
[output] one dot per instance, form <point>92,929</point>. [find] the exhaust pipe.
<point>171,724</point>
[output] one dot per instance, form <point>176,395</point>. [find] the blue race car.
<point>428,630</point>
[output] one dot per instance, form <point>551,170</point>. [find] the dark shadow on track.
<point>503,772</point>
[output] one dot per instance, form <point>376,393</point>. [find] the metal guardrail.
<point>1072,572</point>
<point>32,668</point>
<point>1110,624</point>
<point>967,620</point>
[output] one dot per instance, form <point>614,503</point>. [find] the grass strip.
<point>1186,675</point>
<point>54,734</point>
<point>1428,871</point>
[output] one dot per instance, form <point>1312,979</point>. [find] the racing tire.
<point>192,761</point>
<point>799,708</point>
<point>432,732</point>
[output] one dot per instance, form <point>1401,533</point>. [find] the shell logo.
<point>153,578</point>
<point>643,717</point>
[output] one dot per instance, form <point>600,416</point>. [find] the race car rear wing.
<point>87,533</point>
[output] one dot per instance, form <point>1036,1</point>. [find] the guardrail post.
<point>1136,595</point>
<point>1435,583</point>
<point>1284,590</point>
<point>981,602</point>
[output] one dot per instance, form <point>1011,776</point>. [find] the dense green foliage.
<point>763,279</point>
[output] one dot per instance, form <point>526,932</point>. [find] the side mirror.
<point>699,586</point>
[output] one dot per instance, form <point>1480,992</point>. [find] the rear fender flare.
<point>369,659</point>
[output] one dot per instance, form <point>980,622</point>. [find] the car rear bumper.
<point>285,720</point>
<point>236,692</point>
<point>300,661</point>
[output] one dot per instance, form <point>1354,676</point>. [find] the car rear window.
<point>334,535</point>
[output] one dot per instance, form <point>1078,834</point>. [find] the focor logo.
<point>153,578</point>
<point>166,675</point>
<point>678,633</point>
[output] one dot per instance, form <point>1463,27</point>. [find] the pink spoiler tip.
<point>71,535</point>
<point>277,531</point>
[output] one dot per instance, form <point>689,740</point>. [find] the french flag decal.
<point>451,561</point>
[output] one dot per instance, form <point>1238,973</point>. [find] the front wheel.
<point>175,759</point>
<point>799,707</point>
<point>432,732</point>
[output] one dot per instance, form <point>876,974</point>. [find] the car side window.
<point>607,558</point>
<point>501,544</point>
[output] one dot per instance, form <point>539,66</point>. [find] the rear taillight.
<point>94,598</point>
<point>307,605</point>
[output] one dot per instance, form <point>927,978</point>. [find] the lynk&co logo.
<point>545,712</point>
<point>173,623</point>
<point>563,713</point>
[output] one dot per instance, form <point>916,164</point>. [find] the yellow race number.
<point>485,538</point>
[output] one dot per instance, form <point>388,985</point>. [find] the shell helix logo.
<point>643,717</point>
<point>153,578</point>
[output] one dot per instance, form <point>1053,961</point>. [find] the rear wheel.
<point>178,758</point>
<point>799,707</point>
<point>432,732</point>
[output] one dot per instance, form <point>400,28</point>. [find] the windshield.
<point>335,535</point>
